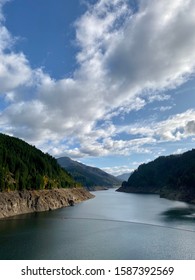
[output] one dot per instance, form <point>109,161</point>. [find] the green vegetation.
<point>22,166</point>
<point>89,177</point>
<point>165,175</point>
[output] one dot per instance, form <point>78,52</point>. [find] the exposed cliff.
<point>20,202</point>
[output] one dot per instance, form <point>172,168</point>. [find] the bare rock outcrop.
<point>20,202</point>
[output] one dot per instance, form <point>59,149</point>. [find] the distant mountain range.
<point>172,177</point>
<point>124,176</point>
<point>91,178</point>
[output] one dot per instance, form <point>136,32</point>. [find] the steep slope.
<point>31,181</point>
<point>88,176</point>
<point>171,176</point>
<point>22,166</point>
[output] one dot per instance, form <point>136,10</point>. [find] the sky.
<point>109,83</point>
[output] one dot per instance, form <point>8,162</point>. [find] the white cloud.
<point>2,2</point>
<point>180,151</point>
<point>14,67</point>
<point>14,72</point>
<point>158,97</point>
<point>118,170</point>
<point>125,60</point>
<point>190,127</point>
<point>6,40</point>
<point>174,128</point>
<point>163,108</point>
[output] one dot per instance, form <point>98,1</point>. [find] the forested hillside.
<point>171,176</point>
<point>90,177</point>
<point>22,166</point>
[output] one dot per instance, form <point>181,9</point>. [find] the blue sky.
<point>108,83</point>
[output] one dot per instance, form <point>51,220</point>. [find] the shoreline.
<point>28,201</point>
<point>163,193</point>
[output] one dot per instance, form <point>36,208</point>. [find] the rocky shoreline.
<point>184,196</point>
<point>21,202</point>
<point>166,192</point>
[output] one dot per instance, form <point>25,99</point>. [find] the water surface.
<point>111,226</point>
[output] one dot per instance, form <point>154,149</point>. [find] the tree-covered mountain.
<point>171,176</point>
<point>89,177</point>
<point>22,166</point>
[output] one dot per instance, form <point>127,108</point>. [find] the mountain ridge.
<point>31,181</point>
<point>90,177</point>
<point>23,166</point>
<point>171,177</point>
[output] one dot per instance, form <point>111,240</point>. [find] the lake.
<point>113,225</point>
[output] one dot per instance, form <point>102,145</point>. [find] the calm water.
<point>111,226</point>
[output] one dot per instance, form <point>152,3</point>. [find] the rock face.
<point>20,202</point>
<point>182,195</point>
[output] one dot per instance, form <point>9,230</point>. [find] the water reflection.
<point>129,226</point>
<point>180,213</point>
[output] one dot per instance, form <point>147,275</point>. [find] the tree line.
<point>23,166</point>
<point>175,173</point>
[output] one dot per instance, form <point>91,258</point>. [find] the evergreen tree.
<point>22,166</point>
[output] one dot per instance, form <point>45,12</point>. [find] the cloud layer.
<point>125,60</point>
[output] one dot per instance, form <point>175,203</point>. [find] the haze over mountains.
<point>90,177</point>
<point>124,176</point>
